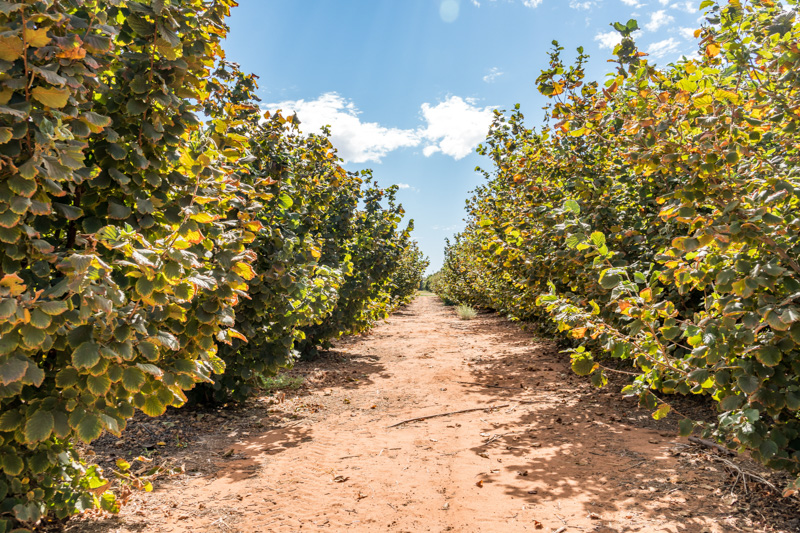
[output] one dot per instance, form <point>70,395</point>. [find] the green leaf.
<point>133,379</point>
<point>775,322</point>
<point>32,336</point>
<point>54,307</point>
<point>572,206</point>
<point>768,355</point>
<point>598,238</point>
<point>8,306</point>
<point>11,463</point>
<point>748,384</point>
<point>153,406</point>
<point>39,426</point>
<point>686,427</point>
<point>144,287</point>
<point>148,350</point>
<point>670,332</point>
<point>11,420</point>
<point>86,355</point>
<point>118,211</point>
<point>583,365</point>
<point>98,385</point>
<point>89,428</point>
<point>67,377</point>
<point>285,201</point>
<point>768,449</point>
<point>608,280</point>
<point>13,370</point>
<point>40,319</point>
<point>793,400</point>
<point>61,426</point>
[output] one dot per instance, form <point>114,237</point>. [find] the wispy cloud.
<point>453,127</point>
<point>406,186</point>
<point>632,3</point>
<point>663,48</point>
<point>582,4</point>
<point>532,3</point>
<point>494,73</point>
<point>688,7</point>
<point>658,19</point>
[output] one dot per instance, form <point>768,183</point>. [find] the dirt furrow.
<point>559,454</point>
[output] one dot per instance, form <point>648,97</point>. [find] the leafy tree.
<point>655,218</point>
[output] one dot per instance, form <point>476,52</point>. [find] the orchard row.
<point>158,231</point>
<point>656,219</point>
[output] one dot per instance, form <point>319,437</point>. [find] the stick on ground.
<point>709,444</point>
<point>447,414</point>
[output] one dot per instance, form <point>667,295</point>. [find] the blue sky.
<point>408,86</point>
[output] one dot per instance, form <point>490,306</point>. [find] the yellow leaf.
<point>712,50</point>
<point>557,88</point>
<point>73,53</point>
<point>578,333</point>
<point>5,96</point>
<point>193,236</point>
<point>52,97</point>
<point>181,244</point>
<point>13,284</point>
<point>235,334</point>
<point>204,218</point>
<point>697,33</point>
<point>10,48</point>
<point>244,270</point>
<point>37,38</point>
<point>646,294</point>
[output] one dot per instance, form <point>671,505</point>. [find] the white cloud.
<point>577,4</point>
<point>532,3</point>
<point>608,39</point>
<point>406,186</point>
<point>687,33</point>
<point>632,3</point>
<point>454,127</point>
<point>657,19</point>
<point>663,2</point>
<point>494,73</point>
<point>689,7</point>
<point>662,48</point>
<point>356,141</point>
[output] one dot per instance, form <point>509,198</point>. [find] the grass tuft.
<point>281,382</point>
<point>466,312</point>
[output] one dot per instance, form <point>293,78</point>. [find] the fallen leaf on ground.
<point>479,483</point>
<point>340,479</point>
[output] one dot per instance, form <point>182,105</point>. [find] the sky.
<point>408,87</point>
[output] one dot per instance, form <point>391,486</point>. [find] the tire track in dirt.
<point>560,454</point>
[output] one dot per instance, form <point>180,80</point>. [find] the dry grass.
<point>466,312</point>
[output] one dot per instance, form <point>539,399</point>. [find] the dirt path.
<point>558,454</point>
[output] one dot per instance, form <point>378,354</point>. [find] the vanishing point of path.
<point>549,453</point>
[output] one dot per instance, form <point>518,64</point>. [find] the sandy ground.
<point>546,452</point>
